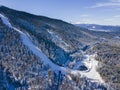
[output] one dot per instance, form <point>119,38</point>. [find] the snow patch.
<point>92,73</point>
<point>117,37</point>
<point>100,30</point>
<point>93,27</point>
<point>5,21</point>
<point>68,76</point>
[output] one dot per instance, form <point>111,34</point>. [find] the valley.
<point>39,53</point>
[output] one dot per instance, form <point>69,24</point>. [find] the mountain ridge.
<point>98,27</point>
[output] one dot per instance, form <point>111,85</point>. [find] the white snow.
<point>92,73</point>
<point>99,30</point>
<point>56,39</point>
<point>69,77</point>
<point>31,46</point>
<point>5,20</point>
<point>93,27</point>
<point>117,37</point>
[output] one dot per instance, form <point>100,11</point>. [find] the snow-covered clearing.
<point>91,72</point>
<point>90,61</point>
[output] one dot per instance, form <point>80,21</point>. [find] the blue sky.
<point>74,11</point>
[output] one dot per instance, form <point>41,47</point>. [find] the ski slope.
<point>92,73</point>
<point>57,40</point>
<point>26,41</point>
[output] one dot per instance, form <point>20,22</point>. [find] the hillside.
<point>41,53</point>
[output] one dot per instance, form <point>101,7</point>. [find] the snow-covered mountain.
<point>41,53</point>
<point>55,34</point>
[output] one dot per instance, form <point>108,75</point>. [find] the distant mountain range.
<point>96,27</point>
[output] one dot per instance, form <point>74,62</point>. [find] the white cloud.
<point>114,0</point>
<point>106,4</point>
<point>78,22</point>
<point>114,18</point>
<point>109,19</point>
<point>117,16</point>
<point>84,15</point>
<point>85,21</point>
